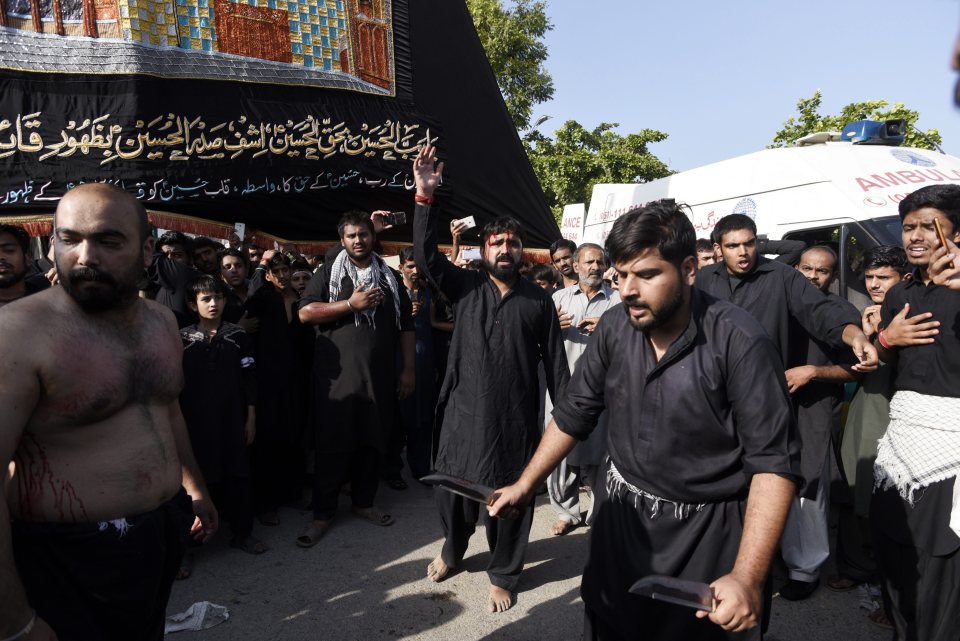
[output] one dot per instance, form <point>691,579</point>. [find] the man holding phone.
<point>915,512</point>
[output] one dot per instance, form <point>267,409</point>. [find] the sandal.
<point>879,618</point>
<point>396,484</point>
<point>312,533</point>
<point>842,583</point>
<point>374,516</point>
<point>250,545</point>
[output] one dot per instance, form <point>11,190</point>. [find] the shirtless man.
<point>97,446</point>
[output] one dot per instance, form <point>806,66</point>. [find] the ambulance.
<point>835,188</point>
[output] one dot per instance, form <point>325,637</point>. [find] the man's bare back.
<point>98,444</point>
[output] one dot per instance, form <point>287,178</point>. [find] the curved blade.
<point>467,489</point>
<point>691,594</point>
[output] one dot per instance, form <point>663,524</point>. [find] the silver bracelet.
<point>26,630</point>
<point>349,306</point>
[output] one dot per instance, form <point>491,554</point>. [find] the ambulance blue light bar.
<point>872,132</point>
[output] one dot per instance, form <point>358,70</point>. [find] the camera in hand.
<point>395,218</point>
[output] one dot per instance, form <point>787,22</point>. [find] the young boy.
<point>218,402</point>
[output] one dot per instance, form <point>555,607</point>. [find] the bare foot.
<point>437,571</point>
<point>500,600</point>
<point>561,527</point>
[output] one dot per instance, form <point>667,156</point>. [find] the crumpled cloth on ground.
<point>199,616</point>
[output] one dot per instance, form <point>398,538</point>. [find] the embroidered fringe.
<point>617,486</point>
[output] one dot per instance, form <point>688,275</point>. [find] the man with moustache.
<point>915,512</point>
<point>561,255</point>
<point>816,384</point>
<point>702,444</point>
<point>99,450</point>
<point>206,255</point>
<point>505,325</point>
<point>14,262</point>
<point>363,320</point>
<point>579,308</point>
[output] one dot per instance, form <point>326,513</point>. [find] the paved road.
<point>364,583</point>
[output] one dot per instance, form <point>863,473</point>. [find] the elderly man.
<point>579,308</point>
<point>93,426</point>
<point>702,444</point>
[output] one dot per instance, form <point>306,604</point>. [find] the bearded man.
<point>505,325</point>
<point>14,265</point>
<point>99,449</point>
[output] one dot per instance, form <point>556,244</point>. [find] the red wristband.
<point>426,200</point>
<point>883,341</point>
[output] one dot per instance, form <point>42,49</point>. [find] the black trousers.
<point>108,581</point>
<point>332,469</point>
<point>507,539</point>
<point>234,505</point>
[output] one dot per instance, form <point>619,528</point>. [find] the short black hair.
<point>946,198</point>
<point>504,225</point>
<point>202,241</point>
<point>406,254</point>
<point>206,285</point>
<point>356,218</point>
<point>886,256</point>
<point>278,259</point>
<point>300,265</point>
<point>20,234</point>
<point>543,272</point>
<point>236,253</point>
<point>563,243</point>
<point>176,238</point>
<point>660,225</point>
<point>732,222</point>
<point>704,245</point>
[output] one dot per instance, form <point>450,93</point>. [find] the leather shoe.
<point>794,590</point>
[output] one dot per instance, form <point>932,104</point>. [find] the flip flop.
<point>374,516</point>
<point>312,534</point>
<point>250,545</point>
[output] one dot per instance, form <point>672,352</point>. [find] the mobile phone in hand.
<point>941,237</point>
<point>395,218</point>
<point>469,222</point>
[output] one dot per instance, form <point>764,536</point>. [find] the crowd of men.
<point>693,388</point>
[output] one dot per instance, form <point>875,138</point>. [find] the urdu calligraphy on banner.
<point>173,137</point>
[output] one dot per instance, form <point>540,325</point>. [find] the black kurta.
<point>779,296</point>
<point>219,385</point>
<point>355,368</point>
<point>490,394</point>
<point>692,428</point>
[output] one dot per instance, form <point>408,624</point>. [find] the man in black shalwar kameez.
<point>363,320</point>
<point>489,401</point>
<point>703,452</point>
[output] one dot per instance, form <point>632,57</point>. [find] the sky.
<point>720,77</point>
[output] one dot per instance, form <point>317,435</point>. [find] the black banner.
<point>279,114</point>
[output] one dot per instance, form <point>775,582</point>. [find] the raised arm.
<point>427,173</point>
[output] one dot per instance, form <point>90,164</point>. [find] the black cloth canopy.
<point>250,128</point>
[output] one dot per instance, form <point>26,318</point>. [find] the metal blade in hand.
<point>691,594</point>
<point>467,489</point>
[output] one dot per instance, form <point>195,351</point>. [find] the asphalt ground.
<point>367,583</point>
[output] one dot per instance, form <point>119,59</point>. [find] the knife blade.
<point>692,594</point>
<point>467,489</point>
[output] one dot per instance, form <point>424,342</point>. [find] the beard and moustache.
<point>659,314</point>
<point>506,273</point>
<point>112,293</point>
<point>12,278</point>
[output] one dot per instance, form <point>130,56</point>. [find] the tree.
<point>810,120</point>
<point>513,42</point>
<point>577,159</point>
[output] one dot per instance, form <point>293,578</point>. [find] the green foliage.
<point>576,159</point>
<point>513,41</point>
<point>810,120</point>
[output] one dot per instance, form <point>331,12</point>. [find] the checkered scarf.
<point>921,446</point>
<point>381,275</point>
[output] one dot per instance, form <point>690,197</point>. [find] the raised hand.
<point>427,171</point>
